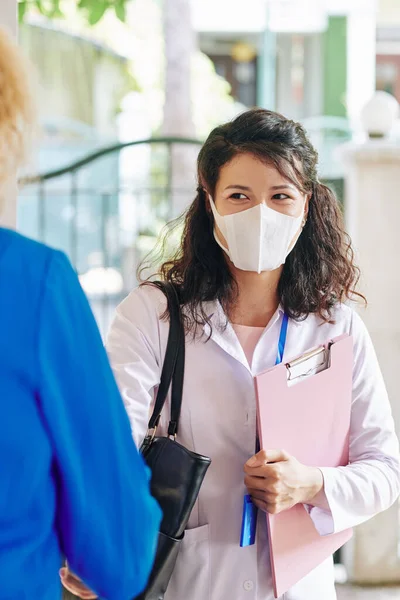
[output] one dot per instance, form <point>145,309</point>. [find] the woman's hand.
<point>277,481</point>
<point>73,584</point>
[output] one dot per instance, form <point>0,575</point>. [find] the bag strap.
<point>174,363</point>
<point>178,377</point>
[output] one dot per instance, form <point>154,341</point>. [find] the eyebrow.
<point>238,187</point>
<point>283,187</point>
<point>244,188</point>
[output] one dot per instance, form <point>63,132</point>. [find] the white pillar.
<point>8,19</point>
<point>361,51</point>
<point>373,217</point>
<point>361,59</point>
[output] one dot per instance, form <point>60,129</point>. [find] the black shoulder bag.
<point>177,473</point>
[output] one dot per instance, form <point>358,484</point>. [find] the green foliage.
<point>93,10</point>
<point>48,8</point>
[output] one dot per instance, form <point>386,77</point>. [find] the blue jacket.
<point>72,482</point>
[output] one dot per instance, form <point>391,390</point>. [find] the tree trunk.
<point>180,45</point>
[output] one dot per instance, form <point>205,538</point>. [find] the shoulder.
<point>343,316</point>
<point>26,270</point>
<point>26,256</point>
<point>139,323</point>
<point>145,304</point>
<point>19,249</point>
<point>141,314</point>
<point>31,266</point>
<point>344,319</point>
<point>347,317</point>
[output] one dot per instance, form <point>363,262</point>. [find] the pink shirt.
<point>248,338</point>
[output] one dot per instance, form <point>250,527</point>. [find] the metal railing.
<point>106,210</point>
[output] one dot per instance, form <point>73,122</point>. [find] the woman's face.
<point>245,182</point>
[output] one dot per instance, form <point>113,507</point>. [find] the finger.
<point>70,579</point>
<point>258,483</point>
<point>84,595</point>
<point>65,573</point>
<point>275,509</point>
<point>265,497</point>
<point>274,456</point>
<point>258,460</point>
<point>260,504</point>
<point>88,595</point>
<point>75,586</point>
<point>268,507</point>
<point>70,587</point>
<point>260,497</point>
<point>254,483</point>
<point>72,582</point>
<point>267,471</point>
<point>265,457</point>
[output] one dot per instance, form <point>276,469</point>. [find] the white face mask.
<point>259,238</point>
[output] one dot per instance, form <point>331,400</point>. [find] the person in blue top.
<point>72,483</point>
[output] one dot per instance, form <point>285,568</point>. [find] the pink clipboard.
<point>311,420</point>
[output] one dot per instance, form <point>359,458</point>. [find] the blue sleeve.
<point>106,519</point>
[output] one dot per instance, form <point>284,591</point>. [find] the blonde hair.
<point>17,109</point>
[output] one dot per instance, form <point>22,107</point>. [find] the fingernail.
<point>251,462</point>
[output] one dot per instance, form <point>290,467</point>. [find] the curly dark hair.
<point>318,273</point>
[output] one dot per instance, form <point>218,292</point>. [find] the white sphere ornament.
<point>379,114</point>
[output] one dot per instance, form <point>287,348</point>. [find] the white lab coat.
<point>219,420</point>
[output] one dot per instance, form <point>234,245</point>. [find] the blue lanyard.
<point>282,339</point>
<point>280,353</point>
<point>249,516</point>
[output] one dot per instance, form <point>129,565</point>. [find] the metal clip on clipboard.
<point>310,363</point>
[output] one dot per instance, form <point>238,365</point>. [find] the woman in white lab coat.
<point>262,239</point>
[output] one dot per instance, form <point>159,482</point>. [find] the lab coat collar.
<point>221,331</point>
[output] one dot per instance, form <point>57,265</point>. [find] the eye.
<point>238,196</point>
<point>281,197</point>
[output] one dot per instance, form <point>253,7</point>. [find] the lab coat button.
<point>248,586</point>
